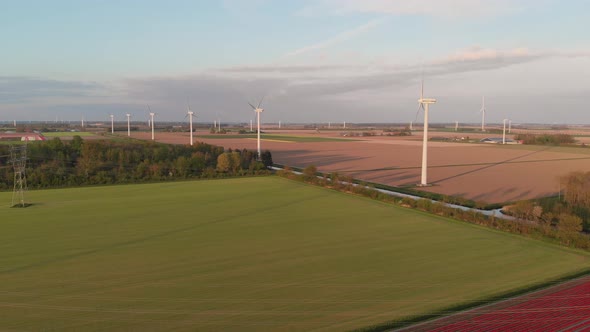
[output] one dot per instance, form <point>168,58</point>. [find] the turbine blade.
<point>422,83</point>
<point>418,112</point>
<point>422,89</point>
<point>260,103</point>
<point>254,108</point>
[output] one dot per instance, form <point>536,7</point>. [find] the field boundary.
<point>462,310</point>
<point>409,191</point>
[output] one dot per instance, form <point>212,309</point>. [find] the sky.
<point>312,60</point>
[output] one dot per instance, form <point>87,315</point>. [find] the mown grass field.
<point>285,138</point>
<point>68,134</point>
<point>246,254</point>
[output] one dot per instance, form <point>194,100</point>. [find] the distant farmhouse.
<point>498,140</point>
<point>22,137</point>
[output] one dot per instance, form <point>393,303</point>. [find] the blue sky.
<point>316,61</point>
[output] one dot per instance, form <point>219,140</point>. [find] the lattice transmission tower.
<point>18,158</point>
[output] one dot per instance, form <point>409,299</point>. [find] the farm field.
<point>69,134</point>
<point>247,254</point>
<point>277,138</point>
<point>482,172</point>
<point>565,307</point>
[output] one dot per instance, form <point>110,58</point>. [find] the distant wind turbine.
<point>423,103</point>
<point>483,113</point>
<point>190,114</point>
<point>152,121</point>
<point>258,110</point>
<point>112,123</point>
<point>504,132</point>
<point>128,124</point>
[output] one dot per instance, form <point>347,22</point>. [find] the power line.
<point>18,159</point>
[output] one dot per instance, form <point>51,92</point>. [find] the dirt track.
<point>488,173</point>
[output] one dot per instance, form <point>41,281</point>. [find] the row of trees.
<point>577,188</point>
<point>545,139</point>
<point>57,163</point>
<point>555,225</point>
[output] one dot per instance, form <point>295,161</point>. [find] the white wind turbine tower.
<point>423,103</point>
<point>504,132</point>
<point>152,120</point>
<point>190,114</point>
<point>112,123</point>
<point>483,113</point>
<point>258,110</point>
<point>128,124</point>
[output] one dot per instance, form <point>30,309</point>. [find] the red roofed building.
<point>22,137</point>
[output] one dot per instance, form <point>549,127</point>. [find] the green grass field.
<point>246,254</point>
<point>69,134</point>
<point>286,138</point>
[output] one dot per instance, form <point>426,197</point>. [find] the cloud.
<point>328,81</point>
<point>434,8</point>
<point>294,92</point>
<point>23,89</point>
<point>341,37</point>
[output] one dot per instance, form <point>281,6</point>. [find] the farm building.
<point>497,140</point>
<point>22,137</point>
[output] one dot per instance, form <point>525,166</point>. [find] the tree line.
<point>545,139</point>
<point>57,163</point>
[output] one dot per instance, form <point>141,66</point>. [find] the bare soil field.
<point>482,172</point>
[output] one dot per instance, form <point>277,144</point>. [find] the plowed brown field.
<point>483,172</point>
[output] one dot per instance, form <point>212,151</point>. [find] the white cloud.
<point>341,37</point>
<point>436,8</point>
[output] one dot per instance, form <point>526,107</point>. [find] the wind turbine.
<point>128,125</point>
<point>483,113</point>
<point>112,123</point>
<point>152,120</point>
<point>190,114</point>
<point>504,132</point>
<point>456,125</point>
<point>258,110</point>
<point>423,103</point>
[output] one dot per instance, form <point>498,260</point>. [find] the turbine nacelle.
<point>422,101</point>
